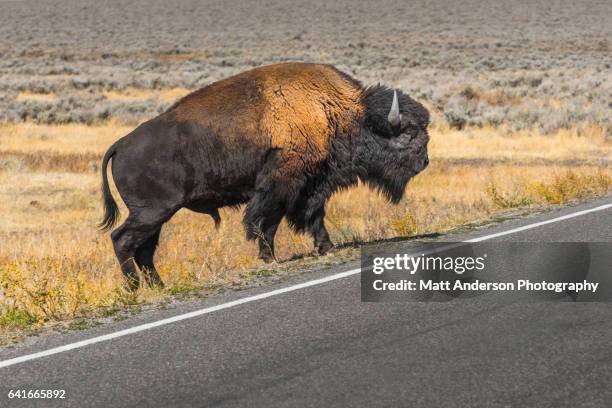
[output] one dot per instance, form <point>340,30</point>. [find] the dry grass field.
<point>520,120</point>
<point>55,265</point>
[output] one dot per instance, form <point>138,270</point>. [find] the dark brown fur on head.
<point>378,98</point>
<point>391,155</point>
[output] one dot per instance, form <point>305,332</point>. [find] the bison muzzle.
<point>281,138</point>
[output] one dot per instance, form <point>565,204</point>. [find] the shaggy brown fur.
<point>296,108</point>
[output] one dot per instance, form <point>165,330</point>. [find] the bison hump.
<point>296,107</point>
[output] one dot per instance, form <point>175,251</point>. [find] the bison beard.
<point>281,138</point>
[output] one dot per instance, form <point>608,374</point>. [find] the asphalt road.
<point>320,346</point>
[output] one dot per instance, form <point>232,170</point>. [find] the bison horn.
<point>394,114</point>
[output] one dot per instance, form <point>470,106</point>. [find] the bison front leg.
<point>266,239</point>
<point>322,242</point>
<point>274,188</point>
<point>261,220</point>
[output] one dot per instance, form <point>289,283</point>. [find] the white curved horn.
<point>394,114</point>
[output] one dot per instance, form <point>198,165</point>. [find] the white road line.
<point>163,322</point>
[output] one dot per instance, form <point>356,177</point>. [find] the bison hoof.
<point>324,247</point>
<point>267,257</point>
<point>131,285</point>
<point>153,280</point>
<point>157,285</point>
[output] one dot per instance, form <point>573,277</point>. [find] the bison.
<point>281,138</point>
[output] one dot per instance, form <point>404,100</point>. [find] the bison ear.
<point>394,117</point>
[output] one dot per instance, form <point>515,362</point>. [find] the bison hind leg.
<point>135,241</point>
<point>144,259</point>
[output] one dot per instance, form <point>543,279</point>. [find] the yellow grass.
<point>127,95</point>
<point>72,138</point>
<point>54,264</point>
<point>491,144</point>
<point>40,97</point>
<point>133,94</point>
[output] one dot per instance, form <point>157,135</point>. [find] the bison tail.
<point>111,211</point>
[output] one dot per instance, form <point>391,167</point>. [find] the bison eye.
<point>411,129</point>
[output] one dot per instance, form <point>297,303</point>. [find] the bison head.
<point>393,144</point>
